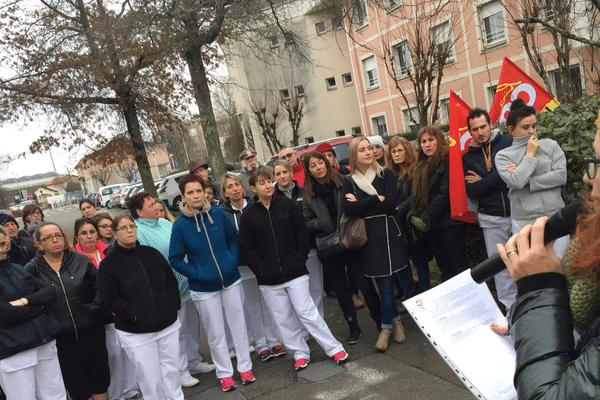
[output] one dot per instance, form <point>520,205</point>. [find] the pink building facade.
<point>477,34</point>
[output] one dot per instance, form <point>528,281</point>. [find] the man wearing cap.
<point>22,249</point>
<point>289,155</point>
<point>202,171</point>
<point>378,149</point>
<point>250,164</point>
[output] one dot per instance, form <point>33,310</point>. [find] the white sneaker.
<point>189,382</point>
<point>232,354</point>
<point>252,349</point>
<point>203,368</point>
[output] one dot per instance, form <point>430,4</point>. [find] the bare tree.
<point>103,175</point>
<point>124,171</point>
<point>565,22</point>
<point>267,117</point>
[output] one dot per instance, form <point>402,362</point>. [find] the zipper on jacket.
<point>68,305</point>
<point>275,240</point>
<point>503,203</point>
<point>213,254</point>
<point>147,281</point>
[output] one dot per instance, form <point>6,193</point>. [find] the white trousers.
<point>291,299</point>
<point>189,338</point>
<point>315,280</point>
<point>215,307</point>
<point>261,325</point>
<point>157,367</point>
<point>506,286</point>
<point>123,383</point>
<point>33,374</point>
<point>560,245</point>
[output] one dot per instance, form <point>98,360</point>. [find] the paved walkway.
<point>412,370</point>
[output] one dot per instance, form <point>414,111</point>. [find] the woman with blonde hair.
<point>434,231</point>
<point>370,192</point>
<point>163,211</point>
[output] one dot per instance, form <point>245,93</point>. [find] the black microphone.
<point>561,223</point>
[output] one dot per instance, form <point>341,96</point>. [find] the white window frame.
<point>345,82</point>
<point>358,21</point>
<point>331,86</point>
<point>554,76</point>
<point>408,124</point>
<point>497,36</point>
<point>283,95</point>
<point>369,64</point>
<point>299,89</point>
<point>376,124</point>
<point>340,133</point>
<point>402,68</point>
<point>392,5</point>
<point>319,31</point>
<point>441,29</point>
<point>336,23</point>
<point>444,110</point>
<point>274,40</point>
<point>548,11</point>
<point>356,130</point>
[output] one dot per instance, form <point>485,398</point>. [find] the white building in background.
<point>263,74</point>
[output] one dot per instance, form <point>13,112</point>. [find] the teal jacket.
<point>210,241</point>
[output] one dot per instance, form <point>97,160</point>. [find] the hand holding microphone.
<point>561,223</point>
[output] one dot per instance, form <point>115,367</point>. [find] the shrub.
<point>573,127</point>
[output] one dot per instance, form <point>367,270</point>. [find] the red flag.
<point>460,209</point>
<point>513,83</point>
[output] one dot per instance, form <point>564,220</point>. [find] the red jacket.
<point>298,171</point>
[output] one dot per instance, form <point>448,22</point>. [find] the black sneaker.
<point>266,355</point>
<point>278,351</point>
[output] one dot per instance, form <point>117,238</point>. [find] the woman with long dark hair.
<point>322,209</point>
<point>104,223</point>
<point>370,192</point>
<point>433,229</point>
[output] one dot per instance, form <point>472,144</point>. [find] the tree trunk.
<point>193,56</point>
<point>139,149</point>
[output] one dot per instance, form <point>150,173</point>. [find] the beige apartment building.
<point>265,75</point>
<point>477,35</point>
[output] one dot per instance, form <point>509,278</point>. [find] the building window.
<point>300,90</point>
<point>391,5</point>
<point>441,37</point>
<point>492,23</point>
<point>445,112</point>
<point>370,68</point>
<point>410,125</point>
<point>340,133</point>
<point>274,41</point>
<point>336,23</point>
<point>359,14</point>
<point>574,77</point>
<point>309,140</point>
<point>356,131</point>
<point>491,93</point>
<point>330,83</point>
<point>403,59</point>
<point>285,94</point>
<point>320,26</point>
<point>548,11</point>
<point>379,126</point>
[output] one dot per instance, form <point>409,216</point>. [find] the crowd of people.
<point>115,314</point>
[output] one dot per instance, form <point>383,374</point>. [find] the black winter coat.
<point>437,213</point>
<point>297,193</point>
<point>139,287</point>
<point>77,305</point>
<point>274,241</point>
<point>549,364</point>
<point>317,217</point>
<point>385,251</point>
<point>24,327</point>
<point>490,191</point>
<point>22,250</point>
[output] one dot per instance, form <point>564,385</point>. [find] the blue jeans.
<point>406,281</point>
<point>389,310</point>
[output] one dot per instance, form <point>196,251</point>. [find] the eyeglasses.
<point>87,233</point>
<point>591,167</point>
<point>127,228</point>
<point>37,212</point>
<point>105,226</point>
<point>288,155</point>
<point>57,236</point>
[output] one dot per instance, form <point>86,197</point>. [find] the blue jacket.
<point>491,191</point>
<point>210,242</point>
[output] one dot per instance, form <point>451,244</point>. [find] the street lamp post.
<point>155,164</point>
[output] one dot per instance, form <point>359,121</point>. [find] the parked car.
<point>95,198</point>
<point>5,212</point>
<point>25,203</point>
<point>339,144</point>
<point>124,200</point>
<point>168,190</point>
<point>106,192</point>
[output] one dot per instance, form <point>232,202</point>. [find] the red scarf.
<point>100,247</point>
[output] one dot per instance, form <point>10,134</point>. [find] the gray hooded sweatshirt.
<point>534,187</point>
